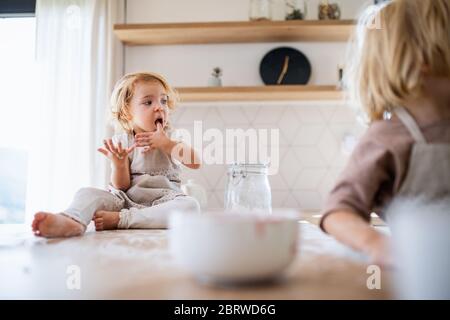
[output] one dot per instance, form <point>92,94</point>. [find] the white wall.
<point>311,132</point>
<point>144,11</point>
<point>190,65</point>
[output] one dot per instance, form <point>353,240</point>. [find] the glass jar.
<point>248,188</point>
<point>296,9</point>
<point>329,11</point>
<point>260,10</point>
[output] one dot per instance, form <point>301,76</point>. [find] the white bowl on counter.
<point>231,248</point>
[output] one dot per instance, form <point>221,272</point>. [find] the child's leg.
<point>156,217</point>
<point>74,220</point>
<point>88,201</point>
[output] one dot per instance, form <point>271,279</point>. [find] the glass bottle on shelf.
<point>329,11</point>
<point>260,10</point>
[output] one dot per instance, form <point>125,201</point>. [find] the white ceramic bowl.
<point>234,248</point>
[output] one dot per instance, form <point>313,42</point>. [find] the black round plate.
<point>271,67</point>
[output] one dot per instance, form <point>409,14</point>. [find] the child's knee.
<point>90,192</point>
<point>103,200</point>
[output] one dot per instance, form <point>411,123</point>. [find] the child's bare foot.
<point>106,220</point>
<point>50,225</point>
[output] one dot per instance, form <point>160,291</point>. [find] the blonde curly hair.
<point>123,93</point>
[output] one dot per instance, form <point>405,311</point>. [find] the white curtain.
<point>79,60</point>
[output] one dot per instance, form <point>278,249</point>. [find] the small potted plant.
<point>215,80</point>
<point>296,9</point>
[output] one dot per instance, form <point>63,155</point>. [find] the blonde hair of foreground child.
<point>394,44</point>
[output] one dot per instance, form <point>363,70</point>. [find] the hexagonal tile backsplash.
<point>311,152</point>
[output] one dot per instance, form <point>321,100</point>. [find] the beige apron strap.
<point>410,124</point>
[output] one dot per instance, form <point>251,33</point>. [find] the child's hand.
<point>380,252</point>
<point>118,155</point>
<point>352,230</point>
<point>154,140</point>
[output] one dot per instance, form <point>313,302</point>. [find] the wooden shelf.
<point>234,32</point>
<point>260,93</point>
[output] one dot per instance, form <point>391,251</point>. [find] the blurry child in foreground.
<point>401,67</point>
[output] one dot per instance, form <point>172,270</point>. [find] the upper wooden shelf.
<point>259,93</point>
<point>234,32</point>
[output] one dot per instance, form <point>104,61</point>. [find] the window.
<point>17,83</point>
<point>17,8</point>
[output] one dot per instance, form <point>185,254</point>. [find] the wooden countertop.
<point>136,264</point>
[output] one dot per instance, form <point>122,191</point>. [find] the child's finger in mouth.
<point>143,140</point>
